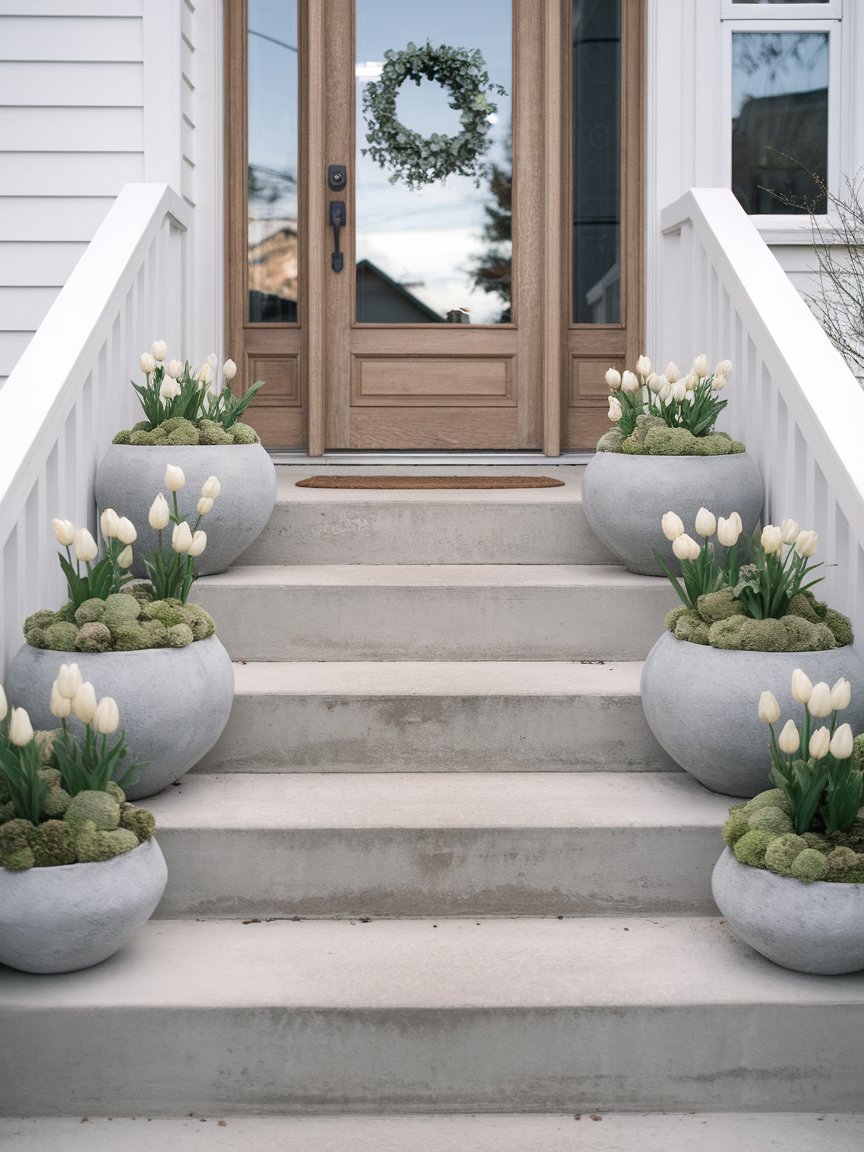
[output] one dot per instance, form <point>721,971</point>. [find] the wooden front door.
<point>475,311</point>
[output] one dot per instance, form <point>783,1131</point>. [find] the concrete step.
<point>506,526</point>
<point>383,716</point>
<point>440,844</point>
<point>586,1132</point>
<point>436,612</point>
<point>576,1015</point>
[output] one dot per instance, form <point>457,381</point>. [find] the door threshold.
<point>428,459</point>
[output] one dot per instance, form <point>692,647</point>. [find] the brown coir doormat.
<point>423,482</point>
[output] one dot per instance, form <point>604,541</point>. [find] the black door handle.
<point>337,220</point>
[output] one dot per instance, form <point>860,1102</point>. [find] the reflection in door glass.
<point>429,248</point>
<point>272,164</point>
<point>596,160</point>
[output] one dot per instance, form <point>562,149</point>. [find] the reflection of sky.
<point>778,72</point>
<point>273,96</point>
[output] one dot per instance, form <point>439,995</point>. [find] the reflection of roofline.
<point>762,102</point>
<point>390,282</point>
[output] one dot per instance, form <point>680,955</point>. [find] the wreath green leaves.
<point>416,159</point>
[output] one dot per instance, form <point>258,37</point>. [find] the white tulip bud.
<point>672,525</point>
<point>841,694</point>
<point>685,547</point>
<point>199,543</point>
<point>85,546</point>
<point>174,369</point>
<point>124,560</point>
<point>174,478</point>
<point>68,680</point>
<point>204,505</point>
<point>84,704</point>
<point>61,706</point>
<point>819,703</point>
<point>801,687</point>
<point>738,521</point>
<point>168,389</point>
<point>4,706</point>
<point>615,413</point>
<point>841,743</point>
<point>643,365</point>
<point>820,742</point>
<point>206,375</point>
<point>727,532</point>
<point>769,709</point>
<point>159,513</point>
<point>108,522</point>
<point>672,372</point>
<point>211,488</point>
<point>147,363</point>
<point>64,530</point>
<point>789,531</point>
<point>212,359</point>
<point>665,392</point>
<point>789,741</point>
<point>159,350</point>
<point>724,368</point>
<point>181,537</point>
<point>771,539</point>
<point>679,390</point>
<point>229,370</point>
<point>106,718</point>
<point>806,544</point>
<point>20,728</point>
<point>706,525</point>
<point>699,367</point>
<point>613,379</point>
<point>719,382</point>
<point>657,383</point>
<point>630,382</point>
<point>126,532</point>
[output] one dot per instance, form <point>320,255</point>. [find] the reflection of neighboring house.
<point>273,267</point>
<point>382,300</point>
<point>759,169</point>
<point>604,298</point>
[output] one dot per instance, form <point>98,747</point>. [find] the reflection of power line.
<point>273,40</point>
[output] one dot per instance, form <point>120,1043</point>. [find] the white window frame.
<point>830,11</point>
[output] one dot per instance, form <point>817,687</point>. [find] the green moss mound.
<point>653,437</point>
<point>180,432</point>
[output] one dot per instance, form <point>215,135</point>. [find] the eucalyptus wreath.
<point>416,159</point>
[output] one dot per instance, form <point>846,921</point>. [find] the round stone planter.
<point>63,919</point>
<point>625,498</point>
<point>173,702</point>
<point>815,927</point>
<point>129,477</point>
<point>702,704</point>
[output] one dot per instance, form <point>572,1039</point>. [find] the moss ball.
<point>39,619</point>
<point>119,610</point>
<point>154,633</point>
<point>95,637</point>
<point>212,433</point>
<point>782,851</point>
<point>52,845</point>
<point>200,621</point>
<point>751,848</point>
<point>802,605</point>
<point>770,798</point>
<point>842,859</point>
<point>737,825</point>
<point>180,636</point>
<point>128,638</point>
<point>670,442</point>
<point>840,627</point>
<point>773,820</point>
<point>809,865</point>
<point>763,636</point>
<point>691,628</point>
<point>714,606</point>
<point>97,808</point>
<point>139,821</point>
<point>35,637</point>
<point>16,855</point>
<point>61,637</point>
<point>89,612</point>
<point>184,436</point>
<point>140,439</point>
<point>177,424</point>
<point>122,437</point>
<point>169,611</point>
<point>673,616</point>
<point>726,634</point>
<point>610,441</point>
<point>113,789</point>
<point>93,844</point>
<point>56,803</point>
<point>804,636</point>
<point>818,841</point>
<point>244,433</point>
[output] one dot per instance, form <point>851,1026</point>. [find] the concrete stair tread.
<point>429,966</point>
<point>475,800</point>
<point>439,678</point>
<point>431,576</point>
<point>611,1132</point>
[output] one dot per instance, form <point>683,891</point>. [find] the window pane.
<point>272,165</point>
<point>779,120</point>
<point>596,161</point>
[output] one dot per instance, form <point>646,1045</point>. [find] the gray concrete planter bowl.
<point>702,705</point>
<point>174,702</point>
<point>63,919</point>
<point>129,477</point>
<point>625,498</point>
<point>816,928</point>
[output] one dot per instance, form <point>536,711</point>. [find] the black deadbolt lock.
<point>337,177</point>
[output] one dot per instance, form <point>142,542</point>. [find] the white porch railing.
<point>70,391</point>
<point>792,399</point>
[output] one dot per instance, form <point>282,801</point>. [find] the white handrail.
<point>70,390</point>
<point>793,399</point>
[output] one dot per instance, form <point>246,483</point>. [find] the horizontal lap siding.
<point>71,135</point>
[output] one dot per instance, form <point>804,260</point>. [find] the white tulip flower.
<point>728,532</point>
<point>159,513</point>
<point>685,547</point>
<point>699,367</point>
<point>159,350</point>
<point>206,375</point>
<point>68,680</point>
<point>820,743</point>
<point>20,728</point>
<point>706,524</point>
<point>689,381</point>
<point>630,382</point>
<point>672,525</point>
<point>657,383</point>
<point>806,544</point>
<point>724,368</point>
<point>613,379</point>
<point>204,505</point>
<point>175,478</point>
<point>126,532</point>
<point>109,522</point>
<point>61,706</point>
<point>769,709</point>
<point>181,537</point>
<point>615,413</point>
<point>789,740</point>
<point>211,488</point>
<point>841,694</point>
<point>841,743</point>
<point>643,365</point>
<point>801,687</point>
<point>672,372</point>
<point>85,546</point>
<point>147,363</point>
<point>738,521</point>
<point>64,530</point>
<point>719,382</point>
<point>229,370</point>
<point>174,369</point>
<point>169,388</point>
<point>84,704</point>
<point>771,539</point>
<point>124,560</point>
<point>106,718</point>
<point>679,390</point>
<point>789,531</point>
<point>4,706</point>
<point>665,393</point>
<point>819,704</point>
<point>199,543</point>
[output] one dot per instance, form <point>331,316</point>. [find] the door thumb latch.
<point>337,221</point>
